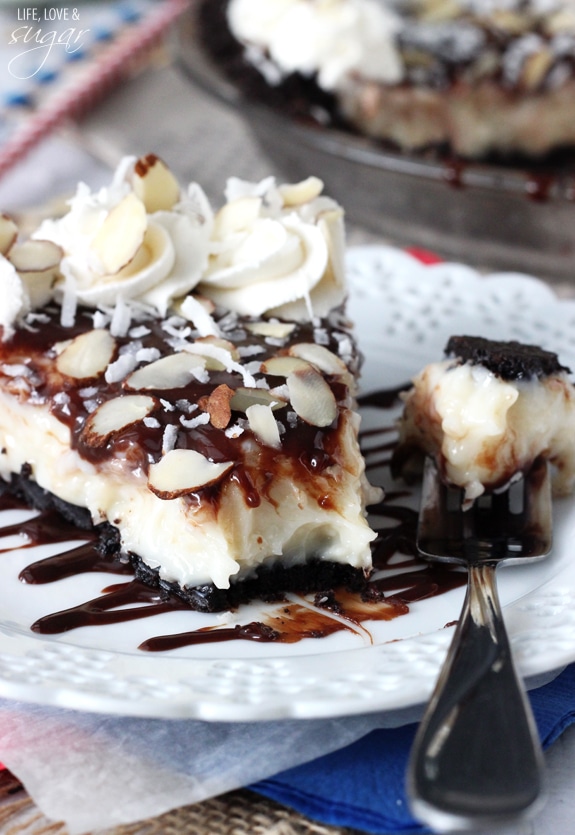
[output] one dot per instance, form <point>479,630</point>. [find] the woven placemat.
<point>236,813</point>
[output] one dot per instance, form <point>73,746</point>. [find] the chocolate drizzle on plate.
<point>399,577</point>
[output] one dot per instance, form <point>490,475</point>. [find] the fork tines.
<point>505,524</point>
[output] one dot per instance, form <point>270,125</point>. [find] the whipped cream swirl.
<point>277,250</point>
<point>145,243</point>
<point>113,247</point>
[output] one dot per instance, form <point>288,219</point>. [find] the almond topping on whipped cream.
<point>270,249</point>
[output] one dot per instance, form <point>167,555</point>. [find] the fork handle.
<point>476,760</point>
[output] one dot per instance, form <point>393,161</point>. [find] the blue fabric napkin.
<point>362,786</point>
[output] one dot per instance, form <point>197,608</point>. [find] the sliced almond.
<point>296,194</point>
<point>171,372</point>
<point>283,366</point>
<point>220,342</point>
<point>38,264</point>
<point>114,415</point>
<point>217,405</point>
<point>120,236</point>
<point>311,397</point>
<point>236,216</point>
<point>36,256</point>
<point>244,397</point>
<point>320,356</point>
<point>509,21</point>
<point>438,10</point>
<point>536,68</point>
<point>563,20</point>
<point>212,363</point>
<point>183,471</point>
<point>8,234</point>
<point>88,355</point>
<point>263,424</point>
<point>278,330</point>
<point>194,311</point>
<point>154,184</point>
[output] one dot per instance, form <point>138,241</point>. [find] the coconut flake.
<point>139,331</point>
<point>120,369</point>
<point>234,431</point>
<point>101,320</point>
<point>275,341</point>
<point>193,423</point>
<point>16,370</point>
<point>250,350</point>
<point>121,318</point>
<point>169,437</point>
<point>199,316</point>
<point>206,349</point>
<point>69,297</point>
<point>147,354</point>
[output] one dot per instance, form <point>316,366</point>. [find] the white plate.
<point>404,313</point>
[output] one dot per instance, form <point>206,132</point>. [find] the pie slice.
<point>186,380</point>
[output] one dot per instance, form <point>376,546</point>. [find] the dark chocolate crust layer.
<point>508,360</point>
<point>267,583</point>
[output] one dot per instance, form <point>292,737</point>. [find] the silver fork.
<point>476,760</point>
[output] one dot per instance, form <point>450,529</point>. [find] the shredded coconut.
<point>89,391</point>
<point>205,349</point>
<point>192,423</point>
<point>169,438</point>
<point>17,370</point>
<point>139,331</point>
<point>199,316</point>
<point>120,369</point>
<point>250,350</point>
<point>152,422</point>
<point>147,354</point>
<point>91,405</point>
<point>253,367</point>
<point>186,406</point>
<point>291,418</point>
<point>101,319</point>
<point>121,318</point>
<point>234,431</point>
<point>69,297</point>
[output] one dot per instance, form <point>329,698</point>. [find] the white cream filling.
<point>484,429</point>
<point>188,544</point>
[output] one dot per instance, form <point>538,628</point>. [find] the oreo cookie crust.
<point>509,360</point>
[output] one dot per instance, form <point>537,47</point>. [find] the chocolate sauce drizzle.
<point>399,579</point>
